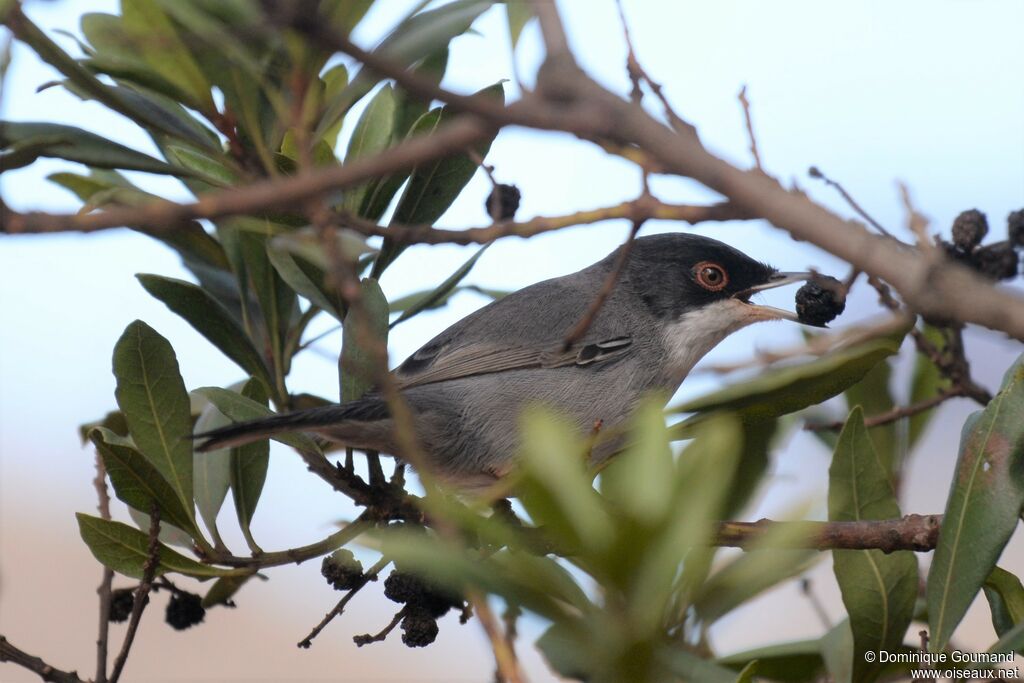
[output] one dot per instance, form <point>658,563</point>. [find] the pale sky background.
<point>870,92</point>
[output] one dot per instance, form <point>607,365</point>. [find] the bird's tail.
<point>339,422</point>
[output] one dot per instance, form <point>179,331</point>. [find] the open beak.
<point>778,279</point>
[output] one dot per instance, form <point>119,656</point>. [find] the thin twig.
<point>919,533</point>
<point>894,414</point>
<point>366,638</point>
<point>816,172</point>
<point>10,653</point>
<point>750,127</point>
<point>587,320</point>
<point>508,670</point>
<point>368,576</point>
<point>104,589</point>
<point>141,593</point>
<point>812,597</point>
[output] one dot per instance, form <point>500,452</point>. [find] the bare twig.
<point>919,533</point>
<point>745,103</point>
<point>10,653</point>
<point>819,609</point>
<point>104,589</point>
<point>508,670</point>
<point>366,638</point>
<point>368,576</point>
<point>895,413</point>
<point>916,221</point>
<point>141,593</point>
<point>816,172</point>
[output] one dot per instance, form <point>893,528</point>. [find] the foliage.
<point>621,564</point>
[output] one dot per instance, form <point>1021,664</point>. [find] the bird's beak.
<point>778,279</point>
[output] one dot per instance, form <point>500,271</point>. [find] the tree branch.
<point>919,533</point>
<point>141,593</point>
<point>104,589</point>
<point>9,653</point>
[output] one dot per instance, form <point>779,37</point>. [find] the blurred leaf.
<point>878,589</point>
<point>125,549</point>
<point>358,364</point>
<point>169,534</point>
<point>837,652</point>
<point>306,243</point>
<point>690,667</point>
<point>875,397</point>
<point>568,650</point>
<point>412,40</point>
<point>239,409</point>
<point>74,144</point>
<point>640,481</point>
<point>927,382</point>
<point>249,470</point>
<point>209,318</point>
<point>211,471</point>
<point>791,662</point>
<point>786,390</point>
<point>224,588</point>
<point>1011,641</point>
<point>518,12</point>
<point>209,169</point>
<point>433,186</point>
<point>113,421</point>
<point>755,455</point>
<point>306,279</point>
<point>983,507</point>
<point>443,290</point>
<point>137,483</point>
<point>556,489</point>
<point>372,134</point>
<point>402,304</point>
<point>151,394</point>
<point>1005,596</point>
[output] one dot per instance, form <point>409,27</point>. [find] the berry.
<point>969,228</point>
<point>503,202</point>
<point>820,301</point>
<point>342,570</point>
<point>996,261</point>
<point>1015,227</point>
<point>185,610</point>
<point>121,603</point>
<point>955,253</point>
<point>419,629</point>
<point>402,587</point>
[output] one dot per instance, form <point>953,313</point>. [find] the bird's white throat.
<point>696,332</point>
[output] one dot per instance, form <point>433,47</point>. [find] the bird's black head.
<point>675,273</point>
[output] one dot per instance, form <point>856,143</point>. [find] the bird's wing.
<point>428,365</point>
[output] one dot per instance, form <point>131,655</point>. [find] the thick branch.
<point>919,533</point>
<point>9,653</point>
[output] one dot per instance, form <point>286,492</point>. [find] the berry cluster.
<point>424,604</point>
<point>503,202</point>
<point>342,570</point>
<point>996,261</point>
<point>820,300</point>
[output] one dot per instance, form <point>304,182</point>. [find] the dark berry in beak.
<point>820,301</point>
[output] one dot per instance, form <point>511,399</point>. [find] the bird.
<point>675,297</point>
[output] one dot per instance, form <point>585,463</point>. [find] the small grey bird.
<point>677,296</point>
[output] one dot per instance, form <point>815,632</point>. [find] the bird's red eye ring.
<point>710,276</point>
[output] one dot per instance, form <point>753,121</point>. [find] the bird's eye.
<point>710,276</point>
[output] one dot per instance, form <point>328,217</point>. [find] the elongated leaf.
<point>434,185</point>
<point>239,409</point>
<point>878,590</point>
<point>224,588</point>
<point>306,279</point>
<point>792,662</point>
<point>249,470</point>
<point>372,134</point>
<point>1005,596</point>
<point>789,389</point>
<point>151,394</point>
<point>983,507</point>
<point>125,549</point>
<point>137,483</point>
<point>874,396</point>
<point>403,303</point>
<point>358,363</point>
<point>443,290</point>
<point>74,144</point>
<point>518,12</point>
<point>211,471</point>
<point>169,534</point>
<point>837,652</point>
<point>209,318</point>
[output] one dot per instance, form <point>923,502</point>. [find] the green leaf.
<point>983,508</point>
<point>239,409</point>
<point>1011,641</point>
<point>1005,596</point>
<point>927,382</point>
<point>372,134</point>
<point>640,481</point>
<point>402,304</point>
<point>791,662</point>
<point>879,590</point>
<point>873,395</point>
<point>358,364</point>
<point>125,549</point>
<point>169,534</point>
<point>113,421</point>
<point>786,390</point>
<point>210,318</point>
<point>137,483</point>
<point>249,470</point>
<point>444,290</point>
<point>434,185</point>
<point>74,144</point>
<point>224,588</point>
<point>151,394</point>
<point>211,471</point>
<point>837,652</point>
<point>307,279</point>
<point>518,12</point>
<point>214,170</point>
